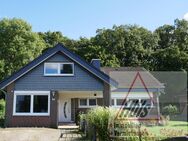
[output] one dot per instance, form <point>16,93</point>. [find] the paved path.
<point>70,135</point>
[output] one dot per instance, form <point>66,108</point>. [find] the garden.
<point>100,124</point>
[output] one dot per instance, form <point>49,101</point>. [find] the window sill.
<point>58,74</point>
<point>29,114</point>
<point>87,106</point>
<point>132,106</point>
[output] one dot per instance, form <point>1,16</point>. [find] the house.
<point>54,87</point>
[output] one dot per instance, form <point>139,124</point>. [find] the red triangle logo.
<point>137,76</point>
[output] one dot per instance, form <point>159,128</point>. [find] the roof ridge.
<point>50,52</point>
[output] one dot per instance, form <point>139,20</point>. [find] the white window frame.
<point>59,68</point>
<point>87,106</point>
<point>128,106</point>
<point>32,94</point>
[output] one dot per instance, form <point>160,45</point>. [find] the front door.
<point>65,110</point>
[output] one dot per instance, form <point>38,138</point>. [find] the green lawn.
<point>172,125</point>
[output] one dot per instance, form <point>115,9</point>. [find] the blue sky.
<point>75,18</point>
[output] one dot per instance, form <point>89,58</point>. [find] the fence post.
<point>94,134</point>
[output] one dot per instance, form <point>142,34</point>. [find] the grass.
<point>172,125</point>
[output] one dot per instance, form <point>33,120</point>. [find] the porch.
<point>71,103</point>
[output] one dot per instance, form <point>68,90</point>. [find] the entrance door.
<point>65,110</point>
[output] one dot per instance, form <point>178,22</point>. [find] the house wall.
<point>35,80</point>
<point>77,110</point>
<point>82,80</point>
<point>29,121</point>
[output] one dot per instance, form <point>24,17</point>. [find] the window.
<point>146,102</point>
<point>117,102</point>
<point>51,68</point>
<point>83,102</point>
<point>31,103</point>
<point>87,102</point>
<point>40,104</point>
<point>92,102</point>
<point>23,103</point>
<point>112,102</point>
<point>66,69</point>
<point>58,69</point>
<point>134,102</point>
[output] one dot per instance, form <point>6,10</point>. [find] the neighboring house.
<point>57,85</point>
<point>135,91</point>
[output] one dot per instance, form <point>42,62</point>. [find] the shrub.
<point>2,109</point>
<point>2,112</point>
<point>170,110</point>
<point>98,118</point>
<point>103,121</point>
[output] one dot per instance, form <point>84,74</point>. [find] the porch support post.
<point>158,106</point>
<point>107,95</point>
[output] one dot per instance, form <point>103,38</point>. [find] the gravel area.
<point>29,134</point>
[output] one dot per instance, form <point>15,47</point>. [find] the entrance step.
<point>68,126</point>
<point>70,135</point>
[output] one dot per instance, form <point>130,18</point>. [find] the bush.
<point>98,118</point>
<point>170,110</point>
<point>2,109</point>
<point>2,112</point>
<point>102,120</point>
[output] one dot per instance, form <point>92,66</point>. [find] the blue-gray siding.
<point>82,79</point>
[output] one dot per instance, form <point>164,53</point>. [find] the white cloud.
<point>185,17</point>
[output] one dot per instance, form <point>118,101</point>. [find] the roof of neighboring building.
<point>50,52</point>
<point>126,75</point>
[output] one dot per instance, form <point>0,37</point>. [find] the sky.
<point>81,18</point>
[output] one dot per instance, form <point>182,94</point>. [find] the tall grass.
<point>98,118</point>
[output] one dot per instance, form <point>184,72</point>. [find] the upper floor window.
<point>59,69</point>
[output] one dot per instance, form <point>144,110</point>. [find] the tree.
<point>53,38</point>
<point>132,45</point>
<point>18,45</point>
<point>172,51</point>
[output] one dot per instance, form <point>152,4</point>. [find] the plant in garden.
<point>2,109</point>
<point>2,112</point>
<point>171,132</point>
<point>98,117</point>
<point>170,110</point>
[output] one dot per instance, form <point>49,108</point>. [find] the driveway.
<point>29,134</point>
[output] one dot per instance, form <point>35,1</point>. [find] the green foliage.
<point>98,117</point>
<point>170,110</point>
<point>18,45</point>
<point>2,112</point>
<point>131,45</point>
<point>126,45</point>
<point>168,133</point>
<point>2,108</point>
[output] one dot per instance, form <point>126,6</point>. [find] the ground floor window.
<point>31,103</point>
<point>132,102</point>
<point>23,103</point>
<point>87,102</point>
